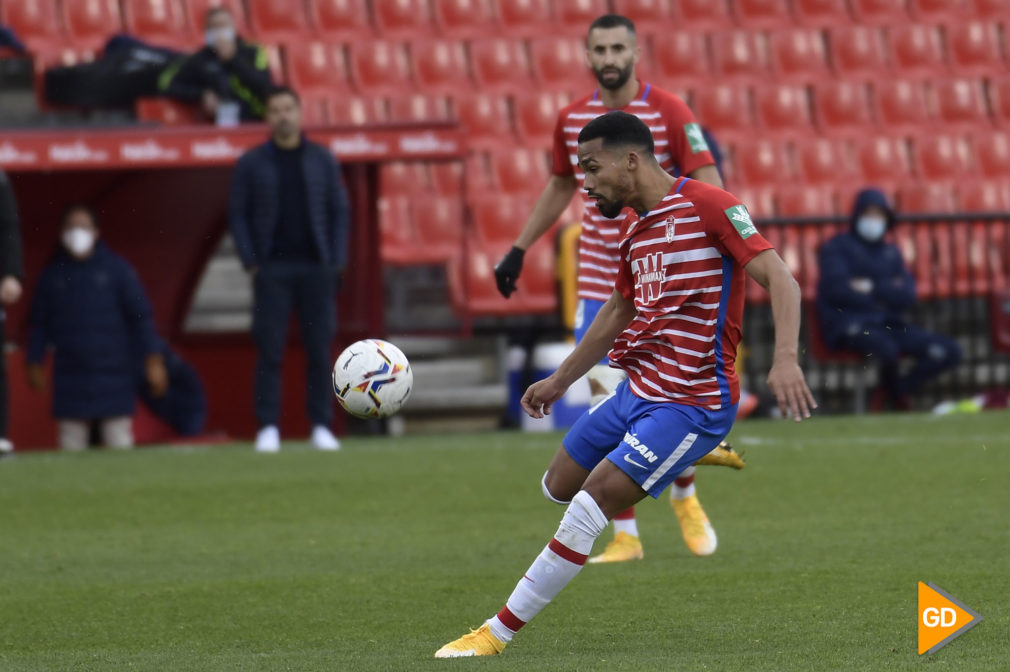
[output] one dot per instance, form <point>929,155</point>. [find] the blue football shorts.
<point>585,313</point>
<point>652,442</point>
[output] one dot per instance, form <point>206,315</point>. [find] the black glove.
<point>507,271</point>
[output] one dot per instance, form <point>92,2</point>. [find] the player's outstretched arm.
<point>552,202</point>
<point>785,379</point>
<point>612,319</point>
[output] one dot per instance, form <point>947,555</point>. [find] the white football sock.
<point>629,525</point>
<point>556,565</point>
<point>686,490</point>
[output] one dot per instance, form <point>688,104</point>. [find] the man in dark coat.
<point>863,296</point>
<point>228,71</point>
<point>11,274</point>
<point>288,213</point>
<point>90,307</point>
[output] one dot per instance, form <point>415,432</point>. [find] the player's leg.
<point>271,311</point>
<point>316,305</point>
<point>933,353</point>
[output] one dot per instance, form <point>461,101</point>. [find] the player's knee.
<point>547,491</point>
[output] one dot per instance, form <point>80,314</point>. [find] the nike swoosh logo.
<point>627,458</point>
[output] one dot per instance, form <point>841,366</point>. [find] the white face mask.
<point>212,35</point>
<point>871,228</point>
<point>79,242</point>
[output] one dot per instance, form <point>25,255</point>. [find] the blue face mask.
<point>212,35</point>
<point>871,228</point>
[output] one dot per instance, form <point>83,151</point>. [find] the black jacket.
<point>10,232</point>
<point>254,204</point>
<point>244,79</point>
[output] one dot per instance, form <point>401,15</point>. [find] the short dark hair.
<point>78,207</point>
<point>613,21</point>
<point>619,129</point>
<point>214,11</point>
<point>282,91</point>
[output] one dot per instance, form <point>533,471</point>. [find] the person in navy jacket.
<point>288,213</point>
<point>864,295</point>
<point>91,309</point>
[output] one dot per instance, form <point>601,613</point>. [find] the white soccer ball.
<point>372,379</point>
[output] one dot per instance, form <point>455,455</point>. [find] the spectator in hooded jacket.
<point>227,71</point>
<point>864,296</point>
<point>11,275</point>
<point>91,309</point>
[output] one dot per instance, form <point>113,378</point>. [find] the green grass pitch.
<point>371,558</point>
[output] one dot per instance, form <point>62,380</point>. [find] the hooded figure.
<point>864,295</point>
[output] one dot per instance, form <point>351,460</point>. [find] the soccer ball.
<point>372,379</point>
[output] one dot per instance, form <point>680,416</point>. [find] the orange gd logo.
<point>942,618</point>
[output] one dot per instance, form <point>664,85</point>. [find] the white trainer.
<point>6,447</point>
<point>323,439</point>
<point>268,440</point>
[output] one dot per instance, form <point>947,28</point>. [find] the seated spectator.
<point>228,75</point>
<point>90,307</point>
<point>863,297</point>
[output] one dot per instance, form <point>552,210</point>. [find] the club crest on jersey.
<point>741,221</point>
<point>650,274</point>
<point>671,228</point>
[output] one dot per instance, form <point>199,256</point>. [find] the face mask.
<point>871,228</point>
<point>78,241</point>
<point>212,35</point>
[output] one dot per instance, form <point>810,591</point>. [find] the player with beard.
<point>612,52</point>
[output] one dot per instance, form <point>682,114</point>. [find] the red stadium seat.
<point>783,111</point>
<point>926,197</point>
<point>799,200</point>
<point>356,110</point>
<point>159,21</point>
<point>466,19</point>
<point>680,58</point>
<point>440,66</point>
<point>739,55</point>
<point>403,177</point>
<point>879,12</point>
<point>824,161</point>
<point>398,19</point>
<point>762,14</point>
<point>821,13</point>
<point>398,240</point>
<point>649,16</point>
<point>999,99</point>
<point>166,112</point>
<point>447,177</point>
<point>36,22</point>
<point>939,11</point>
<point>536,116</point>
<point>857,52</point>
<point>992,153</point>
<point>798,55</point>
<point>760,202</point>
<point>725,110</point>
<point>559,63</point>
<point>500,65</point>
<point>317,68</point>
<point>438,221</point>
<point>960,104</point>
<point>573,17</point>
<point>917,50</point>
<point>975,196</point>
<point>901,106</point>
<point>278,21</point>
<point>380,67</point>
<point>762,162</point>
<point>498,217</point>
<point>941,157</point>
<point>473,290</point>
<point>975,48</point>
<point>91,24</point>
<point>883,161</point>
<point>345,20</point>
<point>524,18</point>
<point>519,170</point>
<point>992,9</point>
<point>315,109</point>
<point>842,108</point>
<point>485,117</point>
<point>702,14</point>
<point>419,107</point>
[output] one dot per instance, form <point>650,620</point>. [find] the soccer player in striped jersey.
<point>612,52</point>
<point>672,323</point>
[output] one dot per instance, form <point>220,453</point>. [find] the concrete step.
<point>457,399</point>
<point>448,373</point>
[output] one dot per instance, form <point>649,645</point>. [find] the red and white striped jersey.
<point>682,265</point>
<point>679,143</point>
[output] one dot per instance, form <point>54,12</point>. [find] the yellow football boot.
<point>479,642</point>
<point>698,533</point>
<point>622,547</point>
<point>723,455</point>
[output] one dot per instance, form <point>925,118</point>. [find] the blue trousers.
<point>310,290</point>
